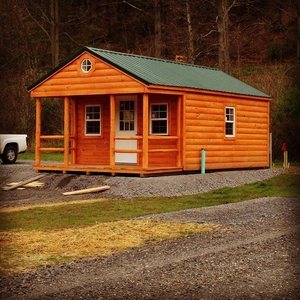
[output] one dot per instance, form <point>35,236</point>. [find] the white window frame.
<point>229,121</point>
<point>159,119</point>
<point>84,65</point>
<point>85,120</point>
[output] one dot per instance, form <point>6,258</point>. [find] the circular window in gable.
<point>86,65</point>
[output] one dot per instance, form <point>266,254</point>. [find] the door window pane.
<point>127,115</point>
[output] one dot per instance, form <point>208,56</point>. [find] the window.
<point>86,65</point>
<point>229,121</point>
<point>93,120</point>
<point>159,119</point>
<point>127,115</point>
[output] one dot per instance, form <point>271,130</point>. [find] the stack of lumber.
<point>29,183</point>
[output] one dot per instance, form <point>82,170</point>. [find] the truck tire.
<point>9,155</point>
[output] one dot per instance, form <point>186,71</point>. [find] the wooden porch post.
<point>145,130</point>
<point>73,131</point>
<point>66,131</point>
<point>38,132</point>
<point>112,130</point>
<point>179,137</point>
<point>183,131</point>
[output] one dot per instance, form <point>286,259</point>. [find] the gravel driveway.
<point>254,255</point>
<point>121,186</point>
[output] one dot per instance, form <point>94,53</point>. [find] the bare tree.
<point>224,7</point>
<point>157,29</point>
<point>54,32</point>
<point>191,50</point>
<point>42,19</point>
<point>298,34</point>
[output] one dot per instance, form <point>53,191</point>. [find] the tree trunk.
<point>297,66</point>
<point>223,30</point>
<point>191,51</point>
<point>298,34</point>
<point>157,29</point>
<point>54,32</point>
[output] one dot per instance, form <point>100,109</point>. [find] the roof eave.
<point>189,89</point>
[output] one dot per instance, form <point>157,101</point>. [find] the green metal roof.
<point>155,71</point>
<point>170,73</point>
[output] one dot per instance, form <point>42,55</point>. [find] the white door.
<point>126,126</point>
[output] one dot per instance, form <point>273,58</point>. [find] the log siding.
<point>205,128</point>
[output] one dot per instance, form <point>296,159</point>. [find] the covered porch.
<point>137,134</point>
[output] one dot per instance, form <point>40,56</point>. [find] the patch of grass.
<point>45,156</point>
<point>84,214</point>
<point>26,207</point>
<point>279,164</point>
<point>250,70</point>
<point>25,250</point>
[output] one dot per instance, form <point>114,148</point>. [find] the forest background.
<point>257,41</point>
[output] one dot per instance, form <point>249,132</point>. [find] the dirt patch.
<point>65,181</point>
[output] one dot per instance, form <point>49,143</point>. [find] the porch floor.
<point>117,169</point>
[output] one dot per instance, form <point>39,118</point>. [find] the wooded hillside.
<point>254,40</point>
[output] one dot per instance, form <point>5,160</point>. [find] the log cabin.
<point>126,113</point>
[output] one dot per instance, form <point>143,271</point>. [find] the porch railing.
<point>138,150</point>
<point>156,150</point>
<point>40,149</point>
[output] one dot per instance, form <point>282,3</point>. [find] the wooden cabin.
<point>126,113</point>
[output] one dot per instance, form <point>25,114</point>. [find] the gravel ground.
<point>254,255</point>
<point>121,186</point>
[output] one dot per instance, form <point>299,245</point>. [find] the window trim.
<point>81,65</point>
<point>232,122</point>
<point>100,120</point>
<point>159,119</point>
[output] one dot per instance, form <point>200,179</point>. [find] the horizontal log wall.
<point>102,79</point>
<point>205,128</point>
<point>164,158</point>
<point>93,150</point>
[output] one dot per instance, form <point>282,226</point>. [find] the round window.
<point>86,65</point>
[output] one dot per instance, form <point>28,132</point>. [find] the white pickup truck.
<point>11,145</point>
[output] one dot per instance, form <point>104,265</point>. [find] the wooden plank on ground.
<point>28,185</point>
<point>34,184</point>
<point>20,184</point>
<point>89,190</point>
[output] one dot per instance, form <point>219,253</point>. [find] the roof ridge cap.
<point>153,58</point>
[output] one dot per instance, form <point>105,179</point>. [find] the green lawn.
<point>47,156</point>
<point>73,215</point>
